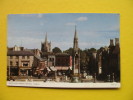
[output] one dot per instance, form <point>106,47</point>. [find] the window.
<point>58,60</point>
<point>52,59</point>
<point>17,63</point>
<point>23,57</point>
<point>25,64</point>
<point>16,57</point>
<point>11,57</point>
<point>11,63</point>
<point>52,63</point>
<point>28,57</point>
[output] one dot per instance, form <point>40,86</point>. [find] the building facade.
<point>108,61</point>
<point>40,66</point>
<point>24,62</point>
<point>20,63</point>
<point>63,62</point>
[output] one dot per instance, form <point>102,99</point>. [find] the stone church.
<point>46,46</point>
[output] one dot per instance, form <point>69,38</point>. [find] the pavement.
<point>51,79</point>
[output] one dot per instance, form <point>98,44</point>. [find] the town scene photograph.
<point>64,50</point>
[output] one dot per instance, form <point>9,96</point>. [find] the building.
<point>108,61</point>
<point>40,66</point>
<point>36,52</point>
<point>24,62</point>
<point>93,63</point>
<point>20,63</point>
<point>50,58</point>
<point>45,46</point>
<point>114,60</point>
<point>63,62</point>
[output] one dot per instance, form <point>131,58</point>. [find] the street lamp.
<point>9,68</point>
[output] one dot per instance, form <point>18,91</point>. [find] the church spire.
<point>75,35</point>
<point>76,55</point>
<point>46,38</point>
<point>75,42</point>
<point>46,46</point>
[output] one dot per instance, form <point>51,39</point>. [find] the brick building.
<point>20,63</point>
<point>63,61</point>
<point>24,62</point>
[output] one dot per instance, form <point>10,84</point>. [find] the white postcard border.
<point>63,85</point>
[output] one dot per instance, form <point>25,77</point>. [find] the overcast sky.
<point>94,30</point>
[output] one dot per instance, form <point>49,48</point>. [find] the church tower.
<point>76,55</point>
<point>46,46</point>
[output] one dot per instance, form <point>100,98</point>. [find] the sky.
<point>94,30</point>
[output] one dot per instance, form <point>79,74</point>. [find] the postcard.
<point>64,50</point>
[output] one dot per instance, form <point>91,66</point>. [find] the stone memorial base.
<point>76,78</point>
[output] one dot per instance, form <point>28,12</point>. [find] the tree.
<point>92,50</point>
<point>56,50</point>
<point>69,51</point>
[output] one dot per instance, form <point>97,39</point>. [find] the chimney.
<point>111,42</point>
<point>116,41</point>
<point>94,54</point>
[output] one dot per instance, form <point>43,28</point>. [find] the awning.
<point>48,69</point>
<point>53,68</point>
<point>62,67</point>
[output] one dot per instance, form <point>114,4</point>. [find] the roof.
<point>62,54</point>
<point>49,53</point>
<point>41,59</point>
<point>32,50</point>
<point>52,68</point>
<point>19,53</point>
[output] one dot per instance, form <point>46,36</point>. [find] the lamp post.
<point>113,79</point>
<point>94,77</point>
<point>30,72</point>
<point>9,68</point>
